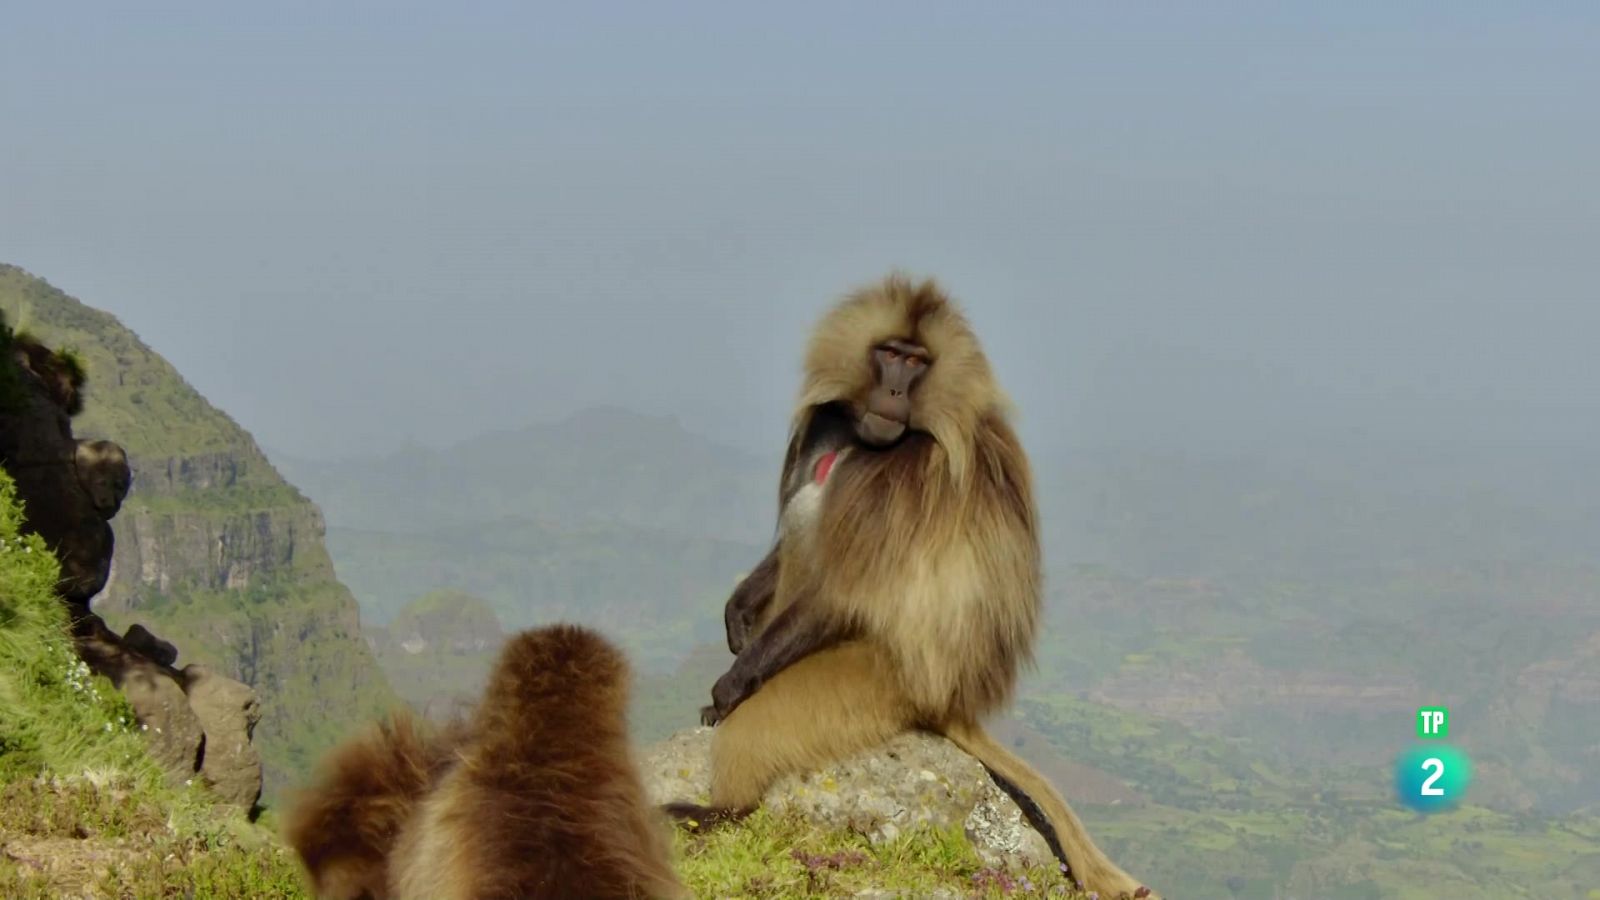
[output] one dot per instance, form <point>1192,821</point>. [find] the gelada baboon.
<point>904,587</point>
<point>535,796</point>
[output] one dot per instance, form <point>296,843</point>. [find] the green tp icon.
<point>1433,722</point>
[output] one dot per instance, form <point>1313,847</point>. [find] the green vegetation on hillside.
<point>1227,823</point>
<point>83,807</point>
<point>215,552</point>
<point>437,651</point>
<point>140,400</point>
<point>52,711</point>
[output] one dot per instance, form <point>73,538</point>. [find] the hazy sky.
<point>353,224</point>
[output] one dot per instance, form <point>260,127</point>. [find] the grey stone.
<point>916,780</point>
<point>228,710</point>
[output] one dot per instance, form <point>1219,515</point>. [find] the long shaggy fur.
<point>536,797</point>
<point>932,547</point>
<point>345,824</point>
<point>929,551</point>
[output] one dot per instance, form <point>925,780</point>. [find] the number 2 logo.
<point>1437,765</point>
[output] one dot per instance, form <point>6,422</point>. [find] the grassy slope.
<point>82,805</point>
<point>292,635</point>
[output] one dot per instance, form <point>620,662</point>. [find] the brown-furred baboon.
<point>903,591</point>
<point>344,825</point>
<point>535,796</point>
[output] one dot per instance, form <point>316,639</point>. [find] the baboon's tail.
<point>344,824</point>
<point>1049,813</point>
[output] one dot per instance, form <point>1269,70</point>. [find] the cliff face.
<point>214,550</point>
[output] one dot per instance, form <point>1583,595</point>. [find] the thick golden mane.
<point>959,388</point>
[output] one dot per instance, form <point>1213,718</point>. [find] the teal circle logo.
<point>1433,778</point>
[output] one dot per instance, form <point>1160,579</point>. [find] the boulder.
<point>139,639</point>
<point>195,721</point>
<point>160,706</point>
<point>69,488</point>
<point>912,781</point>
<point>228,711</point>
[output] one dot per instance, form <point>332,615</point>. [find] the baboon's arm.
<point>791,637</point>
<point>750,599</point>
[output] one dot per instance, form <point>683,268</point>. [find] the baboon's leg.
<point>828,706</point>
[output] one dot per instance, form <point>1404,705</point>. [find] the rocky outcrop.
<point>195,723</point>
<point>214,552</point>
<point>914,781</point>
<point>69,488</point>
<point>228,711</point>
<point>172,731</point>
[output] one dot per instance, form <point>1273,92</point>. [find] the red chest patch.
<point>825,465</point>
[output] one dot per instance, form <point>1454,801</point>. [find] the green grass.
<point>83,807</point>
<point>52,710</point>
<point>770,855</point>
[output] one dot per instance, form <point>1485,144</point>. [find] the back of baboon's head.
<point>559,671</point>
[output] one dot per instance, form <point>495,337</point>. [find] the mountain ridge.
<point>215,551</point>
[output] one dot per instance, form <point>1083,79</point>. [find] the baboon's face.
<point>897,368</point>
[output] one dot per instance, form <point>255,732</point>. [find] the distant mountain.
<point>618,520</point>
<point>657,591</point>
<point>437,651</point>
<point>214,550</point>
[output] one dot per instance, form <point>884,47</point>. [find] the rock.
<point>195,722</point>
<point>102,470</point>
<point>139,639</point>
<point>912,781</point>
<point>155,692</point>
<point>228,711</point>
<point>69,489</point>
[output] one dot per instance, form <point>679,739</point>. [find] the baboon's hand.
<point>750,597</point>
<point>709,716</point>
<point>730,691</point>
<point>738,624</point>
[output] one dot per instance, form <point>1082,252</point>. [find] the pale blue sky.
<point>348,224</point>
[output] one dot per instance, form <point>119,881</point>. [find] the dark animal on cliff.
<point>903,591</point>
<point>535,796</point>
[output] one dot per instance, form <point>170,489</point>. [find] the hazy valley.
<point>1233,652</point>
